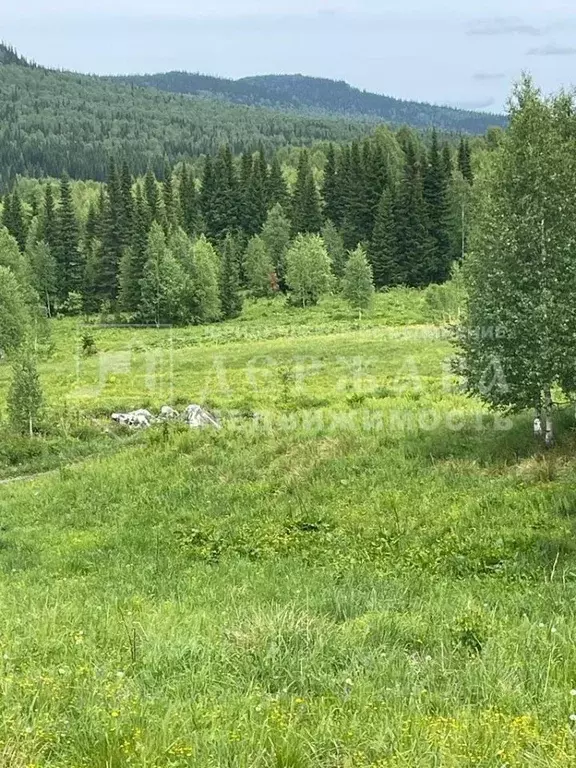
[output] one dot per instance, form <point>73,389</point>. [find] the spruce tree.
<point>230,295</point>
<point>25,395</point>
<point>413,241</point>
<point>358,215</point>
<point>134,258</point>
<point>330,187</point>
<point>127,206</point>
<point>189,203</point>
<point>13,219</point>
<point>258,268</point>
<point>447,164</point>
<point>335,248</point>
<point>152,197</point>
<point>385,256</point>
<point>438,214</point>
<point>113,238</point>
<point>306,203</point>
<point>277,187</point>
<point>257,195</point>
<point>49,220</point>
<point>465,160</point>
<point>358,284</point>
<point>67,254</point>
<point>276,234</point>
<point>168,198</point>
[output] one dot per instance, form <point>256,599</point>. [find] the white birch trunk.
<point>548,423</point>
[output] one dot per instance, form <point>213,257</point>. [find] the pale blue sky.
<point>444,51</point>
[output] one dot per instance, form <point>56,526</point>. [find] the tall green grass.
<point>361,568</point>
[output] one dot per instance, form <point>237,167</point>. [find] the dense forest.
<point>53,122</point>
<point>188,247</point>
<point>319,96</point>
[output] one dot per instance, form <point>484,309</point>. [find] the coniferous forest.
<point>186,245</point>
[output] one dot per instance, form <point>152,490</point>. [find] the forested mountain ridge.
<point>53,122</point>
<point>314,95</point>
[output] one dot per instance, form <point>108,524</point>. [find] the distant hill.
<point>319,96</point>
<point>9,55</point>
<point>53,121</point>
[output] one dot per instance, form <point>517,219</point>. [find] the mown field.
<point>361,568</point>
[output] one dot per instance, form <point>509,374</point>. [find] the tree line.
<point>399,200</point>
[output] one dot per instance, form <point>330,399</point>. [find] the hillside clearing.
<point>362,568</point>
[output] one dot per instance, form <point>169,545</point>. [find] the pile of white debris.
<point>195,416</point>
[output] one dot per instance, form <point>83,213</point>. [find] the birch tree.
<point>519,336</point>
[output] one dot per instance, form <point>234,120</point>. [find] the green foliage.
<point>162,284</point>
<point>319,97</point>
<point>306,213</point>
<point>520,273</point>
<point>25,395</point>
<point>258,268</point>
<point>62,121</point>
<point>14,314</point>
<point>335,248</point>
<point>358,284</point>
<point>230,295</point>
<point>276,235</point>
<point>308,270</point>
<point>387,263</point>
<point>204,283</point>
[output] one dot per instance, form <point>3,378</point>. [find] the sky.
<point>442,51</point>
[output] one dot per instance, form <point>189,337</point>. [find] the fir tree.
<point>257,196</point>
<point>465,160</point>
<point>358,216</point>
<point>13,219</point>
<point>189,203</point>
<point>331,187</point>
<point>134,258</point>
<point>387,266</point>
<point>113,238</point>
<point>127,206</point>
<point>447,164</point>
<point>277,187</point>
<point>413,242</point>
<point>152,197</point>
<point>67,254</point>
<point>438,214</point>
<point>306,204</point>
<point>168,197</point>
<point>49,221</point>
<point>230,296</point>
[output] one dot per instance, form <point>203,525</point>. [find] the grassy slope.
<point>316,592</point>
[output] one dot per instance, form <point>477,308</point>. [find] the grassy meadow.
<point>362,569</point>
